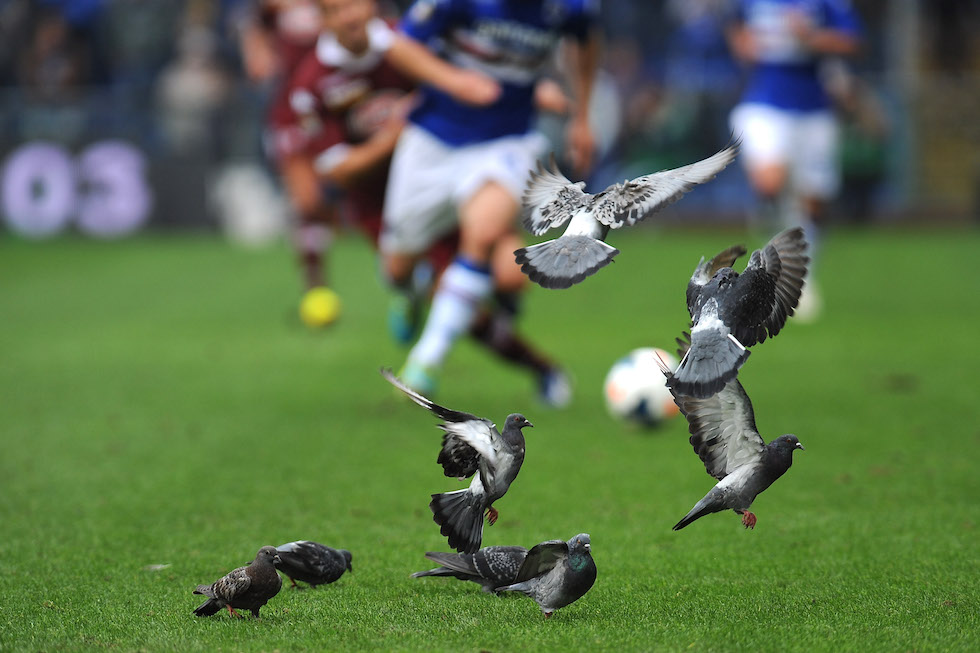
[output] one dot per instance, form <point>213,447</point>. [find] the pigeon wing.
<point>304,557</point>
<point>723,431</point>
<point>232,585</point>
<point>628,203</point>
<point>773,282</point>
<point>706,270</point>
<point>550,199</point>
<point>541,559</point>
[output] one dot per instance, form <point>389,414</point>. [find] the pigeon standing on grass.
<point>471,446</point>
<point>550,200</point>
<point>731,311</point>
<point>246,588</point>
<point>556,573</point>
<point>492,567</point>
<point>724,436</point>
<point>313,563</point>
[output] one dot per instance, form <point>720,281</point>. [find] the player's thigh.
<point>507,275</point>
<point>816,171</point>
<point>418,207</point>
<point>493,176</point>
<point>767,138</point>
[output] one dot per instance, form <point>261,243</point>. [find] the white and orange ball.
<point>636,390</point>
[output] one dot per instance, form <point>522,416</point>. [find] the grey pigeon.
<point>556,573</point>
<point>732,311</point>
<point>471,446</point>
<point>550,200</point>
<point>313,563</point>
<point>492,567</point>
<point>246,588</point>
<point>724,436</point>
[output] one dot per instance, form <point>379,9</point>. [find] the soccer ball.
<point>636,390</point>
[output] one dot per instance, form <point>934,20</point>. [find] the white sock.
<point>462,288</point>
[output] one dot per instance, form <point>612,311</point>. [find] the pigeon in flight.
<point>247,588</point>
<point>471,446</point>
<point>492,567</point>
<point>724,435</point>
<point>732,311</point>
<point>551,200</point>
<point>313,563</point>
<point>556,573</point>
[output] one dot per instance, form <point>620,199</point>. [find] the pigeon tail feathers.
<point>208,608</point>
<point>460,516</point>
<point>564,261</point>
<point>705,506</point>
<point>712,361</point>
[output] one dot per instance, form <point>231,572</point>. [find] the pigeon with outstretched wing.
<point>556,573</point>
<point>551,200</point>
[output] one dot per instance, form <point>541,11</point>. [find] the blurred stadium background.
<point>123,115</point>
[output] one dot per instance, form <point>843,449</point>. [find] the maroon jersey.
<point>336,99</point>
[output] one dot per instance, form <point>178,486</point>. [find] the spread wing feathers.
<point>723,431</point>
<point>550,199</point>
<point>467,437</point>
<point>784,262</point>
<point>627,203</point>
<point>541,559</point>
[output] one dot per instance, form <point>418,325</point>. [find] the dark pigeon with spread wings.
<point>312,562</point>
<point>551,200</point>
<point>724,435</point>
<point>492,567</point>
<point>471,446</point>
<point>556,573</point>
<point>732,311</point>
<point>247,588</point>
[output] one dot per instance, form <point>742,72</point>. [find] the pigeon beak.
<point>588,547</point>
<point>800,447</point>
<point>276,560</point>
<point>527,423</point>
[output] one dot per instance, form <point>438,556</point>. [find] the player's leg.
<point>816,179</point>
<point>311,238</point>
<point>765,134</point>
<point>496,329</point>
<point>418,211</point>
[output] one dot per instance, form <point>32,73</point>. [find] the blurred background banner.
<point>118,115</point>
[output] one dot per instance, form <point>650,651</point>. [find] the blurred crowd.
<point>168,75</point>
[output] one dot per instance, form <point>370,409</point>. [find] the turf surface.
<point>160,404</point>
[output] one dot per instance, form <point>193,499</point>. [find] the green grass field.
<point>160,404</point>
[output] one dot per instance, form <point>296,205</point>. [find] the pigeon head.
<point>268,555</point>
<point>581,543</point>
<point>788,442</point>
<point>725,277</point>
<point>347,558</point>
<point>517,421</point>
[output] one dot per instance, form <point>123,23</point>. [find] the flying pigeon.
<point>550,200</point>
<point>471,446</point>
<point>247,588</point>
<point>313,563</point>
<point>724,435</point>
<point>492,566</point>
<point>731,311</point>
<point>556,573</point>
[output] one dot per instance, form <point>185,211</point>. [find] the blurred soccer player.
<point>462,164</point>
<point>347,102</point>
<point>788,131</point>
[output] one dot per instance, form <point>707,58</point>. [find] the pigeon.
<point>724,435</point>
<point>556,573</point>
<point>471,446</point>
<point>731,312</point>
<point>492,567</point>
<point>246,588</point>
<point>550,200</point>
<point>313,563</point>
